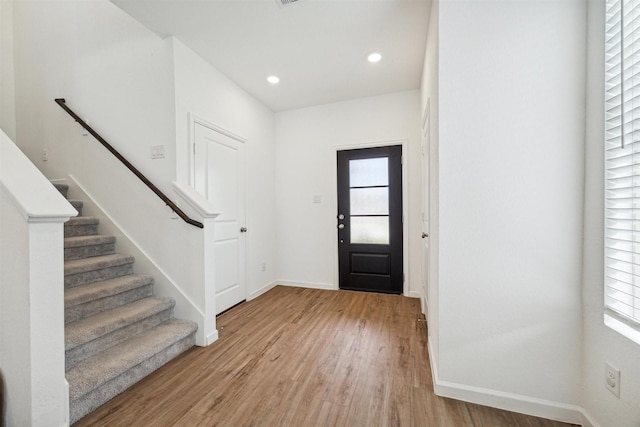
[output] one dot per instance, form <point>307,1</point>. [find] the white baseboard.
<point>310,285</point>
<point>65,394</point>
<point>587,420</point>
<point>262,290</point>
<point>509,401</point>
<point>424,306</point>
<point>211,338</point>
<point>414,294</point>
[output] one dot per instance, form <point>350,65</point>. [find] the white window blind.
<point>622,159</point>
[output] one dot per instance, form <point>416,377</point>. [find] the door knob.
<point>340,226</point>
<point>340,216</point>
<point>424,235</point>
<point>243,229</point>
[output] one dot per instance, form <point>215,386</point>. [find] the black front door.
<point>370,219</point>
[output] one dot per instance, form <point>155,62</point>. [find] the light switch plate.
<point>157,152</point>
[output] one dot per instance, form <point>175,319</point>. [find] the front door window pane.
<point>370,229</point>
<point>369,172</point>
<point>369,201</point>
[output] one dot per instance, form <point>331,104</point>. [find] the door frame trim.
<point>193,120</point>
<point>405,205</point>
<point>425,191</point>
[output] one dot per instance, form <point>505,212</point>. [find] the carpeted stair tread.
<point>106,288</point>
<point>115,361</point>
<point>110,389</point>
<point>88,246</point>
<point>81,226</point>
<point>91,328</point>
<point>96,239</point>
<point>96,263</point>
<point>94,298</point>
<point>81,220</point>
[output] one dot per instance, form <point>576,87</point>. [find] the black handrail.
<point>136,172</point>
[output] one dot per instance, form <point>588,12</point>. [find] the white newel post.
<point>32,353</point>
<point>211,331</point>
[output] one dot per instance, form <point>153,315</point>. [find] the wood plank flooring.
<point>303,357</point>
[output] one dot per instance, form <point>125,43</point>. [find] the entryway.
<point>370,219</point>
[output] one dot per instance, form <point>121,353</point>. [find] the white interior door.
<point>425,210</point>
<point>219,174</point>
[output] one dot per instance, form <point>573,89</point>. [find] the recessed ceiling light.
<point>374,57</point>
<point>273,80</point>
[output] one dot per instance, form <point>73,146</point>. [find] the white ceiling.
<point>318,48</point>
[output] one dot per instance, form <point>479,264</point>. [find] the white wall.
<point>115,73</point>
<point>601,344</point>
<point>7,98</point>
<point>203,91</point>
<point>511,132</point>
<point>307,140</point>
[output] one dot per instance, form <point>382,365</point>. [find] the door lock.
<point>340,216</point>
<point>340,226</point>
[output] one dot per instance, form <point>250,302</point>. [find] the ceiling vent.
<point>285,3</point>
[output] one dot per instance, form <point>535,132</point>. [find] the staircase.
<point>116,331</point>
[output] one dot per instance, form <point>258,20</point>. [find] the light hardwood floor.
<point>302,357</point>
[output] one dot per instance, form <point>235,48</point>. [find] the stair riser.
<point>80,230</point>
<point>91,348</point>
<point>92,276</point>
<point>77,206</point>
<point>84,404</point>
<point>90,308</point>
<point>89,251</point>
<point>62,188</point>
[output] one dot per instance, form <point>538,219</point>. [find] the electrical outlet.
<point>264,266</point>
<point>45,155</point>
<point>612,379</point>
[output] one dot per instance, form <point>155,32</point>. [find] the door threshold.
<point>231,308</point>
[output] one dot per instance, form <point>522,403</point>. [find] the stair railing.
<point>62,103</point>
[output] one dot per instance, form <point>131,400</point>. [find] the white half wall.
<point>601,344</point>
<point>510,158</point>
<point>33,388</point>
<point>307,142</point>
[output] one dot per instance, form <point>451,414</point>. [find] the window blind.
<point>622,159</point>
